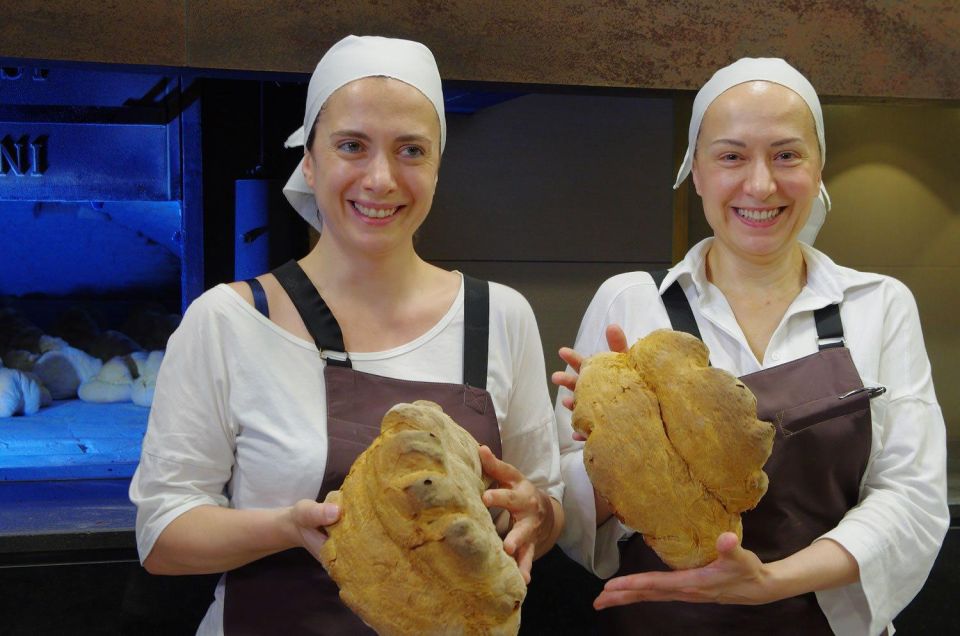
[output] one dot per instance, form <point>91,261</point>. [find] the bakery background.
<point>141,164</point>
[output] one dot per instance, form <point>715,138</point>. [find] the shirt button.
<point>775,356</point>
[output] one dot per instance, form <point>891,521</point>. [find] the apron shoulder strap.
<point>829,327</point>
<point>316,315</point>
<point>259,296</point>
<point>677,306</point>
<point>476,331</point>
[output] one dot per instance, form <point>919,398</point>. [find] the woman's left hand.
<point>736,576</point>
<point>531,510</point>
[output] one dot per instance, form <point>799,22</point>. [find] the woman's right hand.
<point>310,517</point>
<point>616,341</point>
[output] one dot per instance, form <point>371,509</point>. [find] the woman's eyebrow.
<point>364,136</point>
<point>784,142</point>
<point>414,137</point>
<point>350,133</point>
<point>728,142</point>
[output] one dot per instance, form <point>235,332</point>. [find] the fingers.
<point>522,534</point>
<point>313,540</point>
<point>310,517</point>
<point>564,379</point>
<point>499,470</point>
<point>525,561</point>
<point>610,599</point>
<point>681,585</point>
<point>616,339</point>
<point>509,499</point>
<point>571,357</point>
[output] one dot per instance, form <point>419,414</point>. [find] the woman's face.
<point>373,163</point>
<point>757,168</point>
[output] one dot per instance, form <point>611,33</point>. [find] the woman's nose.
<point>379,176</point>
<point>760,182</point>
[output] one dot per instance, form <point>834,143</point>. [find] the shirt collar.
<point>827,282</point>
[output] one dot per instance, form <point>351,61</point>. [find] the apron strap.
<point>326,333</point>
<point>259,296</point>
<point>829,325</point>
<point>316,315</point>
<point>476,331</point>
<point>677,306</point>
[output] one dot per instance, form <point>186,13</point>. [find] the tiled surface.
<point>72,439</point>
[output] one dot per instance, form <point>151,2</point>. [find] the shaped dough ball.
<point>113,383</point>
<point>20,359</point>
<point>415,550</point>
<point>673,444</point>
<point>148,367</point>
<point>62,371</point>
<point>20,393</point>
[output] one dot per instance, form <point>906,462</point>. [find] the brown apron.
<point>290,593</point>
<point>822,414</point>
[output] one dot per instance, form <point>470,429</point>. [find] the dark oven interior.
<point>110,180</point>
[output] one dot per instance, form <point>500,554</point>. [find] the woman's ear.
<point>308,168</point>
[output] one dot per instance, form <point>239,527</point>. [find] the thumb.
<point>325,514</point>
<point>727,544</point>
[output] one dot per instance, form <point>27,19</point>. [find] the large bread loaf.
<point>415,550</point>
<point>673,444</point>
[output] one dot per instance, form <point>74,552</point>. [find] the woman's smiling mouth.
<point>759,216</point>
<point>374,212</point>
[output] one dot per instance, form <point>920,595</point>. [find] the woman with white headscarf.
<point>856,507</point>
<point>272,387</point>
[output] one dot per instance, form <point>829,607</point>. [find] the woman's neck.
<point>758,292</point>
<point>370,279</point>
<point>781,275</point>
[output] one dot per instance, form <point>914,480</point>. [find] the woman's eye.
<point>349,146</point>
<point>412,152</point>
<point>729,156</point>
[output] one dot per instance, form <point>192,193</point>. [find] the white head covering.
<point>350,59</point>
<point>769,69</point>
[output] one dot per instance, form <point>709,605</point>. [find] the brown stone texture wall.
<point>862,48</point>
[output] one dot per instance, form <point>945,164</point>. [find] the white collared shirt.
<point>896,529</point>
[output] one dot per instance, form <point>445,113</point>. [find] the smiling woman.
<point>272,387</point>
<point>856,509</point>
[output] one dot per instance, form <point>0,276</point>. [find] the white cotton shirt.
<point>239,414</point>
<point>896,529</point>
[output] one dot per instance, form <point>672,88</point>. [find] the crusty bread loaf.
<point>415,550</point>
<point>673,444</point>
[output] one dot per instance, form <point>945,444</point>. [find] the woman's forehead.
<point>382,95</point>
<point>756,102</point>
